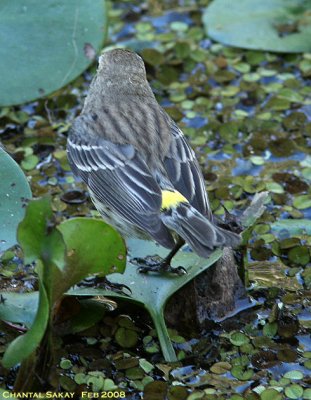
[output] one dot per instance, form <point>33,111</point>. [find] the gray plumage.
<point>128,150</point>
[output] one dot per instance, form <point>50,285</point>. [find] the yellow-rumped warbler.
<point>141,173</point>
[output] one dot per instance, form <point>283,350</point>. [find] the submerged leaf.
<point>273,25</point>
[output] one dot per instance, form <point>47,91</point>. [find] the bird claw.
<point>151,264</point>
<point>178,270</point>
<point>103,282</point>
<point>117,287</point>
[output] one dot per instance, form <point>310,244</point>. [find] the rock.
<point>210,296</point>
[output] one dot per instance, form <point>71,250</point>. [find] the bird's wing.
<point>184,171</point>
<point>120,179</point>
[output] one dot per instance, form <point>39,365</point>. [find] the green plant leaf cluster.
<point>64,255</point>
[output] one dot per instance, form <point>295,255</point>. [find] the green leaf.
<point>274,187</point>
<point>95,382</point>
<point>296,227</point>
<point>294,374</point>
<point>153,290</point>
<point>270,329</point>
<point>302,202</point>
<point>14,188</point>
<point>76,238</point>
<point>30,162</point>
<point>294,391</point>
<point>90,313</point>
<point>238,339</point>
<point>43,243</point>
<point>47,45</point>
<point>242,374</point>
<point>146,365</point>
<point>19,307</point>
<point>24,345</point>
<point>37,237</point>
<point>221,367</point>
<point>299,255</point>
<point>273,25</point>
<point>290,95</point>
<point>270,394</point>
<point>126,338</point>
<point>65,364</point>
<point>109,385</point>
<point>92,247</point>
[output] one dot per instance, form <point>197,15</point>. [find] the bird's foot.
<point>156,264</point>
<point>104,283</point>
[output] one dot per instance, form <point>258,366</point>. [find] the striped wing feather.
<point>184,172</point>
<point>120,179</point>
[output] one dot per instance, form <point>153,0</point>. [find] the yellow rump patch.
<point>172,199</point>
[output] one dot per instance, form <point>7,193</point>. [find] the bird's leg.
<point>150,264</point>
<point>166,262</point>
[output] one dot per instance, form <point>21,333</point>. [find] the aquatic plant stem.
<point>165,341</point>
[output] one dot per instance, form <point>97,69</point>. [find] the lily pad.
<point>14,189</point>
<point>238,339</point>
<point>153,290</point>
<point>270,394</point>
<point>242,374</point>
<point>273,25</point>
<point>46,44</point>
<point>294,391</point>
<point>293,227</point>
<point>295,375</point>
<point>19,307</point>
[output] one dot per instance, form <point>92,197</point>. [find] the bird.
<point>142,175</point>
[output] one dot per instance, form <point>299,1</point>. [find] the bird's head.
<point>121,72</point>
<point>121,62</point>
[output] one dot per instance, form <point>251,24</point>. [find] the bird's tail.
<point>198,231</point>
